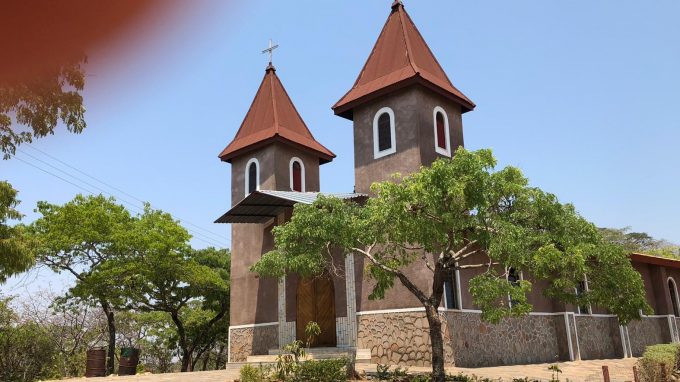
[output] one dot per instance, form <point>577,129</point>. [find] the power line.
<point>215,235</point>
<point>205,239</point>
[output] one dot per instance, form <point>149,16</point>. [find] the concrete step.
<point>362,355</point>
<point>261,359</point>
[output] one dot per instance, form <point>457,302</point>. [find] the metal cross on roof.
<point>270,50</point>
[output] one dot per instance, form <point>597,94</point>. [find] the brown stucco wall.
<point>253,298</point>
<point>599,337</point>
<point>274,160</point>
<point>414,125</point>
<point>397,297</point>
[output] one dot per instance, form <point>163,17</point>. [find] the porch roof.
<point>260,206</point>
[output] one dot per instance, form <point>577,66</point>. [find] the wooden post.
<point>605,373</point>
<point>635,374</point>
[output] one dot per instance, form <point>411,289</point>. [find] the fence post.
<point>605,373</point>
<point>635,374</point>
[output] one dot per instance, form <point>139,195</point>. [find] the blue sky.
<point>581,95</point>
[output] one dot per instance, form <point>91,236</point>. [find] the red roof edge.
<point>441,84</point>
<point>654,260</point>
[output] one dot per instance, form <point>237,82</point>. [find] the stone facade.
<point>599,337</point>
<point>531,339</point>
<point>398,338</point>
<point>648,331</point>
<point>252,341</point>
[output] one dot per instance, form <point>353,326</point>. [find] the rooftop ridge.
<point>271,116</point>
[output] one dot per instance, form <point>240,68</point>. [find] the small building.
<point>405,113</point>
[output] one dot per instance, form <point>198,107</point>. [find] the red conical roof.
<point>273,117</point>
<point>400,57</point>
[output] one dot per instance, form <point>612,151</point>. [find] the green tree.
<point>640,242</point>
<point>27,351</point>
<point>78,238</point>
<point>162,273</point>
<point>40,103</point>
<point>462,209</point>
<point>15,256</point>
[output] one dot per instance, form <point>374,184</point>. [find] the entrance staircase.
<point>362,355</point>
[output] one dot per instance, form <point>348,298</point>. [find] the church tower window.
<point>252,176</point>
<point>297,175</point>
<point>384,139</point>
<point>442,142</point>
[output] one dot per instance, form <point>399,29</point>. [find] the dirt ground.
<point>620,370</point>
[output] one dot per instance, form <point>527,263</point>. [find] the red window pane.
<point>297,177</point>
<point>441,131</point>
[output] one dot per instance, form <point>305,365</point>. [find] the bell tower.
<point>273,149</point>
<point>405,110</point>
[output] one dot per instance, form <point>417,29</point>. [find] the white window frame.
<point>507,278</point>
<point>247,175</point>
<point>457,291</point>
<point>677,299</point>
<point>586,289</point>
<point>302,172</point>
<point>439,150</point>
<point>376,148</point>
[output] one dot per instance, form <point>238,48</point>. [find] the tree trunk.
<point>186,361</point>
<point>437,340</point>
<point>111,325</point>
<point>186,351</point>
<point>205,362</point>
<point>218,359</point>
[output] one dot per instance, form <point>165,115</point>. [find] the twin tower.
<point>406,114</point>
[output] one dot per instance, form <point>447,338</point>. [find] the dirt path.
<point>621,370</point>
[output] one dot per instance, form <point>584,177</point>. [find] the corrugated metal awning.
<point>260,206</point>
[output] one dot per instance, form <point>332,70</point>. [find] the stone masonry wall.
<point>403,339</point>
<point>398,338</point>
<point>530,339</point>
<point>648,331</point>
<point>599,337</point>
<point>252,341</point>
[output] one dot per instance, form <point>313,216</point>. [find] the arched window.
<point>252,176</point>
<point>442,141</point>
<point>674,296</point>
<point>384,139</point>
<point>297,175</point>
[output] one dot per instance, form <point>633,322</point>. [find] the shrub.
<point>655,356</point>
<point>250,373</point>
<point>325,370</point>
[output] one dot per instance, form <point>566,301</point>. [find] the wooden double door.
<point>316,302</point>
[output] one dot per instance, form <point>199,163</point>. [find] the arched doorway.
<point>316,302</point>
<point>674,296</point>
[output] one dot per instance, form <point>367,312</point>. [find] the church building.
<point>405,113</point>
